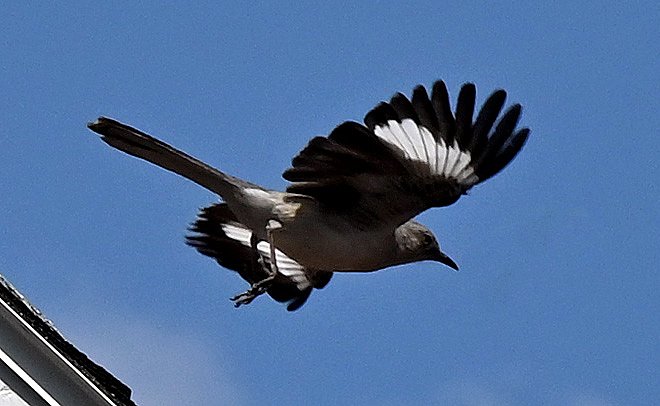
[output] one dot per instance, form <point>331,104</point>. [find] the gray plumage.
<point>353,194</point>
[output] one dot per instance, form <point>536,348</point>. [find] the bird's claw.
<point>244,298</point>
<point>257,289</point>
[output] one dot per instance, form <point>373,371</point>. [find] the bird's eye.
<point>428,240</point>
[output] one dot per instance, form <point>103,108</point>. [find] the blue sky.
<point>556,301</point>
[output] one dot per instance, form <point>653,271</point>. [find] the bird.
<point>353,194</point>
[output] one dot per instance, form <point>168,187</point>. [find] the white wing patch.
<point>240,234</point>
<point>387,134</point>
<point>286,266</point>
<point>417,144</point>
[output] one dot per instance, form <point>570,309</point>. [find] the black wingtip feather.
<point>485,120</point>
<point>502,133</point>
<point>424,109</point>
<point>503,146</point>
<point>403,107</point>
<point>464,112</point>
<point>440,102</point>
<point>505,155</point>
<point>505,127</point>
<point>380,115</point>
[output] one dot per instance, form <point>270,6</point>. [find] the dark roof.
<point>104,380</point>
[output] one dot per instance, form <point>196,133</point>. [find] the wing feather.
<point>218,234</point>
<point>409,156</point>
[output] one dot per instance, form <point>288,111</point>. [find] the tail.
<point>135,142</point>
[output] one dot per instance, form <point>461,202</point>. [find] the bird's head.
<point>417,243</point>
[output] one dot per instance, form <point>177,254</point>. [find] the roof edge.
<point>99,376</point>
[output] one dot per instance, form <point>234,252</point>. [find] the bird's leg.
<point>260,287</point>
<point>271,227</point>
<point>257,288</point>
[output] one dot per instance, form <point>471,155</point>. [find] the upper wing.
<point>219,235</point>
<point>411,155</point>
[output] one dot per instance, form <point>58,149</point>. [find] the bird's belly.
<point>325,248</point>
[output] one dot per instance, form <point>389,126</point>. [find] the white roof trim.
<point>27,378</point>
<point>26,340</point>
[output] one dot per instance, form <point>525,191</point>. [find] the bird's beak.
<point>443,258</point>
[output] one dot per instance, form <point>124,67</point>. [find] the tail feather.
<point>139,144</point>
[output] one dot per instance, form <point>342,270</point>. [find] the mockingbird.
<point>353,194</point>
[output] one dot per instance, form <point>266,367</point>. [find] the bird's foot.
<point>244,298</point>
<point>257,289</point>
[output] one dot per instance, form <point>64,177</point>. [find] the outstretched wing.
<point>409,156</point>
<point>219,235</point>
